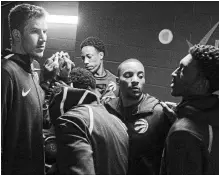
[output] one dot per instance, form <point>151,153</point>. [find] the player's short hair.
<point>20,14</point>
<point>95,42</point>
<point>82,78</point>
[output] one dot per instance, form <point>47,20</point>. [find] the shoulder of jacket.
<point>150,103</point>
<point>8,64</point>
<point>110,74</point>
<point>77,113</point>
<point>185,125</point>
<point>113,103</point>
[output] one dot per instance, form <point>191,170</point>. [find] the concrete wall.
<point>130,30</point>
<point>60,36</point>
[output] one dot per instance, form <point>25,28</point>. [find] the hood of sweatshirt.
<point>205,108</point>
<point>66,98</point>
<point>28,64</point>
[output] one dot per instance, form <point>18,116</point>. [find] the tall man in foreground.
<point>193,140</point>
<point>93,51</point>
<point>90,140</point>
<point>22,99</point>
<point>142,114</point>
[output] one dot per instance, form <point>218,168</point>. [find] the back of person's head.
<point>20,14</point>
<point>207,58</point>
<point>82,79</point>
<point>95,42</point>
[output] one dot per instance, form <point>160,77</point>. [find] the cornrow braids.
<point>207,57</point>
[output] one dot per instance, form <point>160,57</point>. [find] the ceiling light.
<point>62,19</point>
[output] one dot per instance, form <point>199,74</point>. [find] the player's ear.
<point>117,80</point>
<point>101,55</point>
<point>16,35</point>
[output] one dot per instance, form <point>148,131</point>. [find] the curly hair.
<point>95,42</point>
<point>207,57</point>
<point>20,14</point>
<point>82,78</point>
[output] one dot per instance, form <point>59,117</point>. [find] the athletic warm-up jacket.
<point>21,117</point>
<point>147,127</point>
<point>89,139</point>
<point>192,145</point>
<point>102,84</point>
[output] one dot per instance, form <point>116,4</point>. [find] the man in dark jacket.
<point>21,95</point>
<point>89,139</point>
<point>193,140</point>
<point>142,114</point>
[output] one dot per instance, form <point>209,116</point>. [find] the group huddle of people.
<point>87,121</point>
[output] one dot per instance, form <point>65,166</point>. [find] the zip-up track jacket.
<point>21,117</point>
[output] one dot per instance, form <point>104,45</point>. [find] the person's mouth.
<point>40,47</point>
<point>88,67</point>
<point>136,89</point>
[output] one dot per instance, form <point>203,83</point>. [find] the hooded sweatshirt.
<point>193,140</point>
<point>89,139</point>
<point>21,117</point>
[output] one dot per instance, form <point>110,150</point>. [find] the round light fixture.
<point>165,36</point>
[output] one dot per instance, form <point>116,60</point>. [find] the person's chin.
<point>135,95</point>
<point>38,54</point>
<point>174,93</point>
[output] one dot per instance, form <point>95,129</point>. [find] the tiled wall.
<point>130,30</point>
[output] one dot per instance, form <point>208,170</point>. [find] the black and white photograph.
<point>110,87</point>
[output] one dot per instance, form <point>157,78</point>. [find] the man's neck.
<point>101,72</point>
<point>16,49</point>
<point>195,96</point>
<point>126,102</point>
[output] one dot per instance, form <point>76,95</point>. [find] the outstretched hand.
<point>58,64</point>
<point>168,110</point>
<point>52,63</point>
<point>67,64</point>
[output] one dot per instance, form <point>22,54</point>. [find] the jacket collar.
<point>200,102</point>
<point>146,105</point>
<point>23,61</point>
<point>65,98</point>
<point>201,108</point>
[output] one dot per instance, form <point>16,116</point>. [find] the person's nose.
<point>86,61</point>
<point>43,37</point>
<point>174,73</point>
<point>135,80</point>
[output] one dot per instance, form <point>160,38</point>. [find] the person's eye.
<point>89,56</point>
<point>141,76</point>
<point>82,57</point>
<point>34,31</point>
<point>128,75</point>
